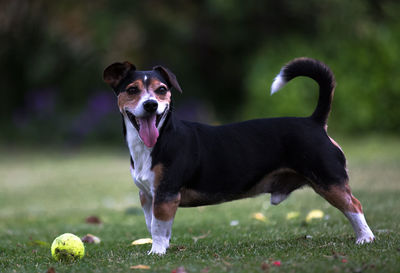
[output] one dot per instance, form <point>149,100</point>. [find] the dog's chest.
<point>141,155</point>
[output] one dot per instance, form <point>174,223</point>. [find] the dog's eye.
<point>132,90</point>
<point>162,90</point>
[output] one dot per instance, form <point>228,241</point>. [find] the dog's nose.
<point>150,105</point>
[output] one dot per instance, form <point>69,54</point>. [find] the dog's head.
<point>144,97</point>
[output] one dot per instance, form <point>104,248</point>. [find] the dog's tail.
<point>318,72</point>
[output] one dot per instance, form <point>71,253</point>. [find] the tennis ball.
<point>67,247</point>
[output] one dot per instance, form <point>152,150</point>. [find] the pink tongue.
<point>148,130</point>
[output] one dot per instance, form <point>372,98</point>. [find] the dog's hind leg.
<point>340,197</point>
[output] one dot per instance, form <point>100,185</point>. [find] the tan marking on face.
<point>130,101</point>
<point>340,197</point>
<point>154,84</point>
<point>165,211</point>
<point>158,174</point>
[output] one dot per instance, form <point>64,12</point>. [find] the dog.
<point>177,163</point>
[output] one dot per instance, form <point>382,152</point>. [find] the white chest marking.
<point>141,156</point>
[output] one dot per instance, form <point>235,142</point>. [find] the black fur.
<point>228,160</point>
<point>224,162</point>
<point>322,75</point>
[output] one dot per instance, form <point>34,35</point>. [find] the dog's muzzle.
<point>148,125</point>
<point>150,106</point>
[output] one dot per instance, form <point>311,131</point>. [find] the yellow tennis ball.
<point>67,247</point>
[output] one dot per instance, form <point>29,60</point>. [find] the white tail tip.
<point>278,83</point>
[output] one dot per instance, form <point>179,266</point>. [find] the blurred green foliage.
<point>364,55</point>
<point>224,53</point>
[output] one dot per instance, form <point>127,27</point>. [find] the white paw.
<point>365,239</point>
<point>158,250</point>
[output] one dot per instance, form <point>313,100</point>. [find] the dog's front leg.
<point>164,210</point>
<point>147,205</point>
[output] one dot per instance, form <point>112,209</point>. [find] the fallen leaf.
<point>328,244</point>
<point>142,241</point>
<point>196,238</point>
<point>140,266</point>
<point>314,214</point>
<point>91,239</point>
<point>292,215</point>
<point>265,267</point>
<point>277,263</point>
<point>180,269</point>
<point>336,256</point>
<point>93,220</point>
<point>181,248</point>
<point>259,216</point>
<point>51,270</point>
<point>226,263</point>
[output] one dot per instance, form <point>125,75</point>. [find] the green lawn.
<point>44,193</point>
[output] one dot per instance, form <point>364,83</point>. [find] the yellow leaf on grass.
<point>314,214</point>
<point>259,216</point>
<point>140,266</point>
<point>291,215</point>
<point>142,241</point>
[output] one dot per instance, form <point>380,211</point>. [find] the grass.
<point>45,193</point>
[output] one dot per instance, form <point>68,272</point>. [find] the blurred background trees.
<point>225,55</point>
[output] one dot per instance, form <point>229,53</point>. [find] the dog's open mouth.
<point>148,126</point>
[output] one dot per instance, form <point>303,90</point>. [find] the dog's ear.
<point>169,76</point>
<point>116,72</point>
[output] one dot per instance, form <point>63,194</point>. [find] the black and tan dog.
<point>179,163</point>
